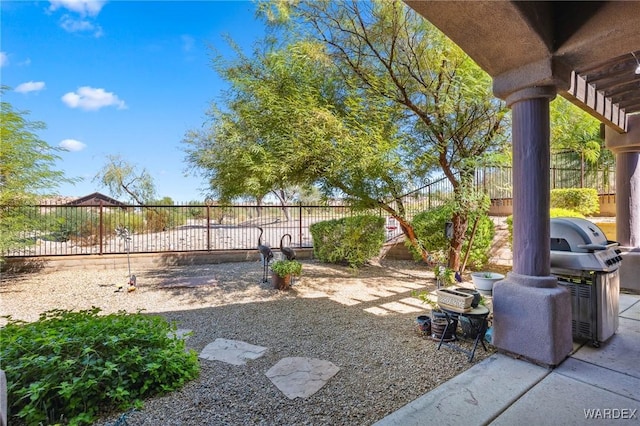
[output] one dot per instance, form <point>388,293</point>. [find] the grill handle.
<point>592,247</point>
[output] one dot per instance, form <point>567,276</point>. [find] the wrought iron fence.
<point>65,230</point>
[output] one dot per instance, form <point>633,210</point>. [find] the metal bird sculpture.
<point>288,252</point>
<point>266,254</point>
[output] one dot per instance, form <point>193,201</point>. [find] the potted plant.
<point>444,276</point>
<point>282,271</point>
<point>484,281</point>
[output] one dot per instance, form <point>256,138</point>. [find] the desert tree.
<point>27,172</point>
<point>450,120</point>
<point>365,100</point>
<point>121,177</point>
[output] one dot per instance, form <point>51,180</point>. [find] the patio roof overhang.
<point>585,49</point>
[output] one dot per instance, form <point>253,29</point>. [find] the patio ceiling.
<point>584,48</point>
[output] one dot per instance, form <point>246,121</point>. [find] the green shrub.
<point>67,365</point>
<point>429,228</point>
<point>350,240</point>
<point>161,218</point>
<point>582,200</point>
<point>282,268</point>
<point>554,212</point>
<point>82,225</point>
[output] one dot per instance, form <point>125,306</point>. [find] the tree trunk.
<point>408,232</point>
<point>460,224</point>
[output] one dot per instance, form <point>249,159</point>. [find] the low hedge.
<point>350,240</point>
<point>582,200</point>
<point>554,212</point>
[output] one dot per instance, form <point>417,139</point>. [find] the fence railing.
<point>65,230</point>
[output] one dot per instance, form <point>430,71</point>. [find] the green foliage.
<point>160,219</point>
<point>573,129</point>
<point>26,171</point>
<point>361,99</point>
<point>282,268</point>
<point>82,226</point>
<point>429,228</point>
<point>125,179</point>
<point>582,200</point>
<point>351,240</point>
<point>553,212</point>
<point>68,365</point>
<point>558,212</point>
<point>445,276</point>
<point>195,211</point>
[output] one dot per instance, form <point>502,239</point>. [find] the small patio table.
<point>478,322</point>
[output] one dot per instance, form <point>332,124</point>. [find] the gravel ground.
<point>364,324</point>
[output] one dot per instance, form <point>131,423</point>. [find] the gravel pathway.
<point>362,323</point>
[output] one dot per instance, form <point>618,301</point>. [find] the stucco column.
<point>626,146</point>
<point>532,314</point>
<point>628,198</point>
<point>531,151</point>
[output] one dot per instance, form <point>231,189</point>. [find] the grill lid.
<point>579,244</point>
<point>577,235</point>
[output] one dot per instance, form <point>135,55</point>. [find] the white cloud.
<point>72,145</point>
<point>72,25</point>
<point>30,86</point>
<point>4,59</point>
<point>90,99</point>
<point>82,7</point>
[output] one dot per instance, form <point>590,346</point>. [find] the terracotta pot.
<point>281,283</point>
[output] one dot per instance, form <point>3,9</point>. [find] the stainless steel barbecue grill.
<point>587,263</point>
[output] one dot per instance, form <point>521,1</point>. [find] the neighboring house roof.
<point>95,199</point>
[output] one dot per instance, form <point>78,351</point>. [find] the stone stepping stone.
<point>301,377</point>
<point>232,351</point>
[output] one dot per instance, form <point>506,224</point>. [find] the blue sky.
<point>119,78</point>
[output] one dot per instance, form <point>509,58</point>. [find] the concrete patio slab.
<point>232,351</point>
<point>300,377</point>
<point>571,402</point>
<point>474,397</point>
<point>630,310</point>
<point>626,301</point>
<point>619,353</point>
<point>612,381</point>
<point>604,380</point>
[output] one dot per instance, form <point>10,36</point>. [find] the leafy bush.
<point>429,228</point>
<point>67,365</point>
<point>582,200</point>
<point>286,267</point>
<point>350,240</point>
<point>554,212</point>
<point>160,219</point>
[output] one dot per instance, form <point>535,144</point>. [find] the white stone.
<point>301,377</point>
<point>232,351</point>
